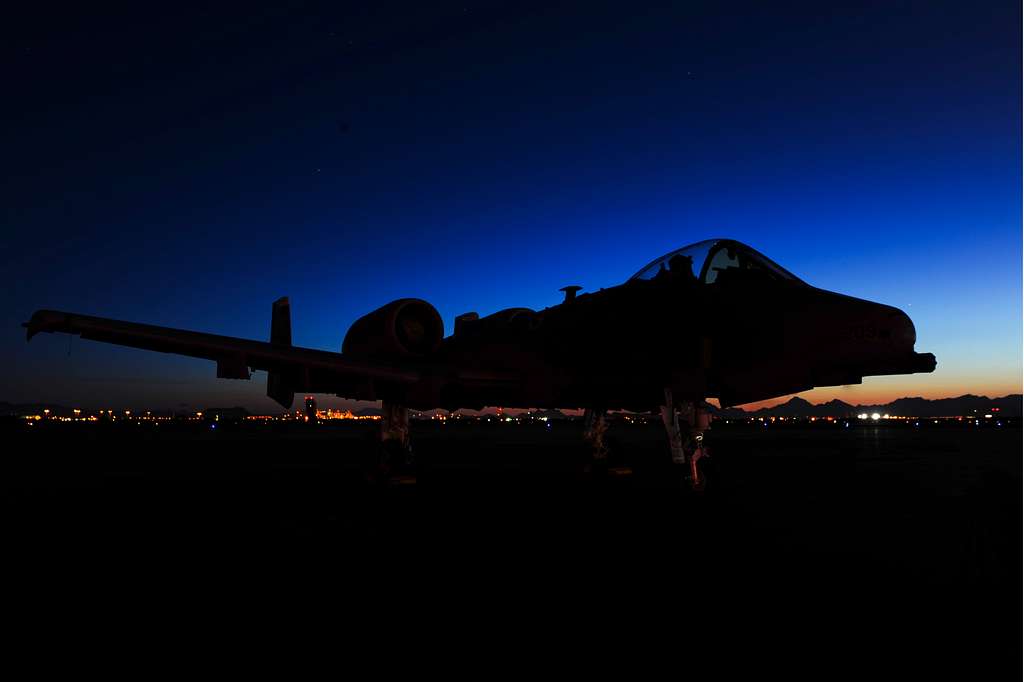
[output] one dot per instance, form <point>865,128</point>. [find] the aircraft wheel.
<point>388,458</point>
<point>706,471</point>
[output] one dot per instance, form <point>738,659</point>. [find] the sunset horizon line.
<point>354,405</point>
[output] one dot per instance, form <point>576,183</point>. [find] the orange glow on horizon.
<point>880,393</point>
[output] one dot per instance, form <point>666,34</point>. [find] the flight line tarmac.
<point>914,529</point>
<point>936,507</point>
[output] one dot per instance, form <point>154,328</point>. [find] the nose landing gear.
<point>686,445</point>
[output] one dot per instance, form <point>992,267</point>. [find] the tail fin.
<point>279,387</point>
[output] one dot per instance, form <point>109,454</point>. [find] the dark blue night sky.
<point>186,169</point>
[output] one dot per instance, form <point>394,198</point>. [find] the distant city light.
<point>325,416</point>
<point>339,414</point>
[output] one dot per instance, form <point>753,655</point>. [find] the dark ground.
<point>914,527</point>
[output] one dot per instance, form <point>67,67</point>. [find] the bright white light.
<point>876,416</point>
<point>863,415</point>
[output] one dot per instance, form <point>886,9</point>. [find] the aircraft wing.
<point>306,368</point>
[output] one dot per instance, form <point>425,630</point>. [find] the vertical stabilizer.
<point>281,323</point>
<point>279,387</point>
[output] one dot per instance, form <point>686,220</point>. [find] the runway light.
<point>875,416</point>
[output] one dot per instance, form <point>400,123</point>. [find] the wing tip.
<point>35,324</point>
<point>46,321</point>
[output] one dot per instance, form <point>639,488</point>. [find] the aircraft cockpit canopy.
<point>716,261</point>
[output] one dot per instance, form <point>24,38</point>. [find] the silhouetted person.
<point>681,266</point>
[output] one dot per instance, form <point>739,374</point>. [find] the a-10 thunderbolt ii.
<point>714,319</point>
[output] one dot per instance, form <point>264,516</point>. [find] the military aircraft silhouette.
<point>715,319</point>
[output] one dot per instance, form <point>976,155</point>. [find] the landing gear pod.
<point>405,328</point>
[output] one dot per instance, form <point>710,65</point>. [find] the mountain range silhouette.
<point>1007,406</point>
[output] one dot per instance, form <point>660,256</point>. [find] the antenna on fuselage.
<point>570,292</point>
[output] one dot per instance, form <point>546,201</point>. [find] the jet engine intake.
<point>404,328</point>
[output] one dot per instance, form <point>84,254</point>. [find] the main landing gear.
<point>394,455</point>
<point>687,447</point>
<point>595,425</point>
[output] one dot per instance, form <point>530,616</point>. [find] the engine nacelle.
<point>406,328</point>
